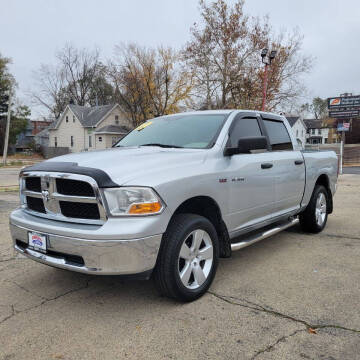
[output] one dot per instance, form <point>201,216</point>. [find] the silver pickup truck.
<point>173,196</point>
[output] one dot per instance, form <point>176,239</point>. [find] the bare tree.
<point>77,76</point>
<point>80,68</point>
<point>50,89</point>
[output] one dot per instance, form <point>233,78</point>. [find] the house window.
<point>114,139</point>
<point>67,118</point>
<point>55,140</point>
<point>319,131</point>
<point>297,133</point>
<point>326,140</point>
<point>72,141</point>
<point>117,119</point>
<point>90,141</point>
<point>313,131</point>
<point>73,119</point>
<point>100,139</point>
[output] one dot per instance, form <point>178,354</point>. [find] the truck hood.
<point>133,166</point>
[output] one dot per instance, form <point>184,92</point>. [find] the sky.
<point>32,31</point>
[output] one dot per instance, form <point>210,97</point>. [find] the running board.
<point>263,235</point>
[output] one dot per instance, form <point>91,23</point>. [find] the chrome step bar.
<point>263,235</point>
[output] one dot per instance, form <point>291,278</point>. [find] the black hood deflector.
<point>100,176</point>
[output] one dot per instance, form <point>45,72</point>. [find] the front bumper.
<point>86,254</point>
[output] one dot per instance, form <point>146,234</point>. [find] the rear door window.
<point>278,135</point>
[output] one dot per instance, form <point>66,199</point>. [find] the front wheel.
<point>313,219</point>
<point>188,258</point>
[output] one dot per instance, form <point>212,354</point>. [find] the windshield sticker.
<point>143,126</point>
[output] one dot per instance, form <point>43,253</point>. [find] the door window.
<point>278,135</point>
<point>244,127</point>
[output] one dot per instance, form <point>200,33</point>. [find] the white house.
<point>299,128</point>
<point>319,133</point>
<point>88,128</point>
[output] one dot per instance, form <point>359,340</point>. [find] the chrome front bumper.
<point>91,256</point>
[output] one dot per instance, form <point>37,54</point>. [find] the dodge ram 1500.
<point>173,196</point>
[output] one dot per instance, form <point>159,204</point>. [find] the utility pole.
<point>266,59</point>
<point>265,87</point>
<point>6,142</point>
<point>341,152</point>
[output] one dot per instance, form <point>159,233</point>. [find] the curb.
<point>9,188</point>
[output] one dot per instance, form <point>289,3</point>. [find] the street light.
<point>266,59</point>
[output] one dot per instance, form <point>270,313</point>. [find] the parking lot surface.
<point>292,296</point>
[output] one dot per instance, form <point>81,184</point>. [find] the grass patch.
<point>12,163</point>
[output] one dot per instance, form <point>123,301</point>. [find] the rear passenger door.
<point>250,177</point>
<point>289,167</point>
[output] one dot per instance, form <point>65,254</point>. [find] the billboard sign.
<point>343,126</point>
<point>344,113</point>
<point>345,102</point>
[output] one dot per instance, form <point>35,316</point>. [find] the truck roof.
<point>225,111</point>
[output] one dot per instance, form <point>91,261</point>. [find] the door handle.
<point>266,165</point>
<point>298,162</point>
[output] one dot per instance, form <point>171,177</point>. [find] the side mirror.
<point>246,144</point>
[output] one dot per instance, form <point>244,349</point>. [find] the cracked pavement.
<point>292,296</point>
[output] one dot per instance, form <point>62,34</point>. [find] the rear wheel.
<point>313,219</point>
<point>188,258</point>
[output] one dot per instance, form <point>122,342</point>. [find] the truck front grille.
<point>65,197</point>
<point>33,183</point>
<point>74,187</point>
<point>35,204</point>
<point>79,210</point>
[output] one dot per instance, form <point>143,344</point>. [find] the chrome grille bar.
<point>51,197</point>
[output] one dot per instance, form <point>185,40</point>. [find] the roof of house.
<point>313,123</point>
<point>44,133</point>
<point>292,120</point>
<point>54,123</point>
<point>113,129</point>
<point>88,116</point>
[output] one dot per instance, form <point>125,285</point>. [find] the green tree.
<point>6,83</point>
<point>318,108</point>
<point>19,115</point>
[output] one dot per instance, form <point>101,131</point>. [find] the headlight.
<point>133,201</point>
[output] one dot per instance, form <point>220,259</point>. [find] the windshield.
<point>184,131</point>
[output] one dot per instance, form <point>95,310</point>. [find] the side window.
<point>244,127</point>
<point>278,135</point>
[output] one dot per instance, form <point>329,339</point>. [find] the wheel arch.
<point>207,207</point>
<point>324,180</point>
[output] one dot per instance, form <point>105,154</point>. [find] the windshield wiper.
<point>163,145</point>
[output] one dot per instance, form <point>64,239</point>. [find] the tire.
<point>313,219</point>
<point>186,266</point>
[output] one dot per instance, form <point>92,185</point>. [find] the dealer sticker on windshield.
<point>144,125</point>
<point>37,241</point>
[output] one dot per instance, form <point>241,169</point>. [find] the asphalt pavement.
<point>355,170</point>
<point>292,296</point>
